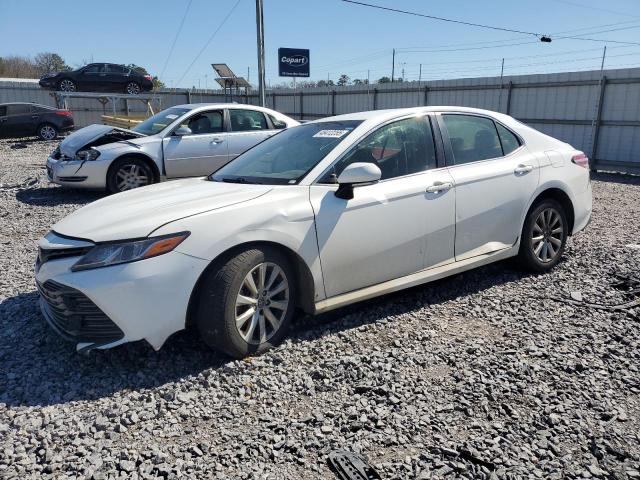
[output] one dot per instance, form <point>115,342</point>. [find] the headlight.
<point>88,154</point>
<point>106,254</point>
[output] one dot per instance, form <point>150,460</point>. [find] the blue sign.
<point>293,62</point>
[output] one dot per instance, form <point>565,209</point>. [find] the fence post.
<point>333,102</point>
<point>426,95</point>
<point>126,106</point>
<point>301,106</point>
<point>375,99</point>
<point>598,121</point>
<point>273,100</point>
<point>510,87</point>
<point>188,96</point>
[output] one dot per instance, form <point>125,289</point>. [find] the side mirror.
<point>356,174</point>
<point>181,131</point>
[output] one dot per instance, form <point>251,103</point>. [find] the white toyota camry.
<point>318,216</point>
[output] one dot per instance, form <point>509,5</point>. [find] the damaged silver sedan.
<point>182,141</point>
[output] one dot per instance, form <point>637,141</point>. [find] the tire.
<point>129,173</point>
<point>132,88</point>
<point>544,236</point>
<point>67,85</point>
<point>225,296</point>
<point>47,131</point>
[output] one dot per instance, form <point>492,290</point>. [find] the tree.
<point>50,62</point>
<point>384,80</point>
<point>357,81</point>
<point>343,80</point>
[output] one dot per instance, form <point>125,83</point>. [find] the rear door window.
<point>277,124</point>
<point>3,111</point>
<point>472,137</point>
<point>247,120</point>
<point>93,69</point>
<point>18,109</point>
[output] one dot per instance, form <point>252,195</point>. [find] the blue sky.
<point>342,37</point>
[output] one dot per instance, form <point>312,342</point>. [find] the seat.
<point>200,125</point>
<point>485,145</point>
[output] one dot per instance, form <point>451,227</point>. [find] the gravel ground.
<point>482,375</point>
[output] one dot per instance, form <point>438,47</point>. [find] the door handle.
<point>439,187</point>
<point>35,116</point>
<point>522,169</point>
<point>217,140</point>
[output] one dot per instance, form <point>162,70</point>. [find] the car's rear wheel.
<point>244,306</point>
<point>47,131</point>
<point>544,236</point>
<point>127,174</point>
<point>132,88</point>
<point>67,85</point>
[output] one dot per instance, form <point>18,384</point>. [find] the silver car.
<point>182,141</point>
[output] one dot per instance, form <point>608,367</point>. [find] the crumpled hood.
<point>74,142</point>
<point>137,213</point>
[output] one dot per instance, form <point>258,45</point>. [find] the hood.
<point>137,213</point>
<point>74,142</point>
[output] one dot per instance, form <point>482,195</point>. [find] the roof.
<point>394,112</point>
<point>193,106</point>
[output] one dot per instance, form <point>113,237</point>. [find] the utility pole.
<point>393,64</point>
<point>604,54</point>
<point>501,71</point>
<point>420,74</point>
<point>262,97</point>
<point>248,74</point>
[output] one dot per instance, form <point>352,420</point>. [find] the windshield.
<point>287,157</point>
<point>159,121</point>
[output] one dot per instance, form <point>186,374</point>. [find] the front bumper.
<point>77,173</point>
<point>144,300</point>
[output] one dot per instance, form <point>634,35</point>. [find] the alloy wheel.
<point>67,86</point>
<point>131,176</point>
<point>133,88</point>
<point>262,303</point>
<point>47,132</point>
<point>547,235</point>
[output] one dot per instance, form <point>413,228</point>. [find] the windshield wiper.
<point>239,180</point>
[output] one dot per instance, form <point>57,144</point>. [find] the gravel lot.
<point>482,375</point>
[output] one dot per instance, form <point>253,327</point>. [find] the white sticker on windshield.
<point>331,133</point>
<point>172,116</point>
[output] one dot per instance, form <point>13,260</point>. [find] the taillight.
<point>63,113</point>
<point>148,77</point>
<point>581,160</point>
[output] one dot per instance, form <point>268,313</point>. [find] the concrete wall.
<point>598,112</point>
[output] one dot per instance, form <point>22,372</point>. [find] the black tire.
<point>67,85</point>
<point>128,167</point>
<point>132,88</point>
<point>47,131</point>
<point>536,228</point>
<point>216,309</point>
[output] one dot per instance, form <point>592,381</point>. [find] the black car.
<point>28,119</point>
<point>99,77</point>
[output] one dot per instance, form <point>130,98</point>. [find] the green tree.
<point>343,80</point>
<point>384,80</point>
<point>157,83</point>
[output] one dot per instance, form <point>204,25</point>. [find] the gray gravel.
<point>481,375</point>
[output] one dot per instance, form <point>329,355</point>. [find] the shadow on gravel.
<point>50,197</point>
<point>39,368</point>
<point>621,178</point>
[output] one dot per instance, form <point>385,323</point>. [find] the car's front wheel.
<point>67,85</point>
<point>47,132</point>
<point>132,88</point>
<point>127,174</point>
<point>544,236</point>
<point>245,305</point>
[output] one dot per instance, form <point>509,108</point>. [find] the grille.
<point>74,316</point>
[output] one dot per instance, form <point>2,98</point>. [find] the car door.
<point>494,176</point>
<point>114,77</point>
<point>18,121</point>
<point>246,129</point>
<point>92,78</point>
<point>394,227</point>
<point>202,151</point>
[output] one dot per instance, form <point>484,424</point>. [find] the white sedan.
<point>319,216</point>
<point>182,141</point>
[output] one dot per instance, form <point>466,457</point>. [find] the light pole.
<point>262,97</point>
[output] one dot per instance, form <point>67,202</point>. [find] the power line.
<point>166,62</point>
<point>442,19</point>
<point>582,5</point>
<point>224,20</point>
